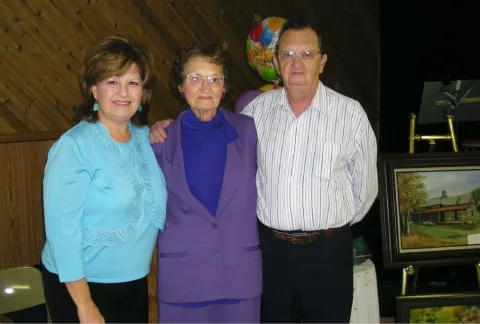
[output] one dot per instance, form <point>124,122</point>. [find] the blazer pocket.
<point>252,248</point>
<point>185,208</point>
<point>327,157</point>
<point>173,255</point>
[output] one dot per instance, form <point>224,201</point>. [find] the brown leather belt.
<point>307,237</point>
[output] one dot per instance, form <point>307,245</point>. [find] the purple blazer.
<point>201,257</point>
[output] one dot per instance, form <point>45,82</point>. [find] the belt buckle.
<point>295,241</point>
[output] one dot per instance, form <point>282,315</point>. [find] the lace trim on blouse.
<point>144,203</point>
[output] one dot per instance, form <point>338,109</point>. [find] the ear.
<point>180,88</point>
<point>323,61</point>
<point>94,91</point>
<point>275,62</point>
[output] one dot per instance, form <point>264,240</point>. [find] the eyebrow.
<point>202,74</point>
<point>288,49</point>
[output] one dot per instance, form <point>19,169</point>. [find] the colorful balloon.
<point>269,74</point>
<point>260,47</point>
<point>266,38</point>
<point>245,99</point>
<point>275,23</point>
<point>269,87</point>
<point>256,32</point>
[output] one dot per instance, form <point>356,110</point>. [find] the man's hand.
<point>157,131</point>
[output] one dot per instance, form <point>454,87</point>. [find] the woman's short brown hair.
<point>114,56</point>
<point>211,52</point>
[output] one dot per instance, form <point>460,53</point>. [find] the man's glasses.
<point>195,79</point>
<point>288,55</point>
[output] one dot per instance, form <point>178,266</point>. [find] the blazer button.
<point>213,225</point>
<point>216,257</point>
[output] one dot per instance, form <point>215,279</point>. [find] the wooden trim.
<point>40,136</point>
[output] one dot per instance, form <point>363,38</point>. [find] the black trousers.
<point>308,282</point>
<point>125,302</point>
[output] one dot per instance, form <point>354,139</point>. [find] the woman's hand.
<point>89,313</point>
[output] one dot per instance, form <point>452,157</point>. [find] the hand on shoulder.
<point>157,131</point>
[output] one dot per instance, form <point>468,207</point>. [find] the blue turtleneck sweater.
<point>204,146</point>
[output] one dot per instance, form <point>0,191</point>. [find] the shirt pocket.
<point>326,160</point>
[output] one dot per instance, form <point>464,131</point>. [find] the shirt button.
<point>217,257</point>
<point>213,225</point>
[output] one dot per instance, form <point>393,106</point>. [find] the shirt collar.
<point>319,101</point>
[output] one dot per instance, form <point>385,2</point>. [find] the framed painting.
<point>442,308</point>
<point>430,208</point>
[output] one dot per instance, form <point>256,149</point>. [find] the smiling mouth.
<point>205,98</point>
<point>121,103</point>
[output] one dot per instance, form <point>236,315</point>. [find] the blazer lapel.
<point>175,170</point>
<point>232,177</point>
<point>234,168</point>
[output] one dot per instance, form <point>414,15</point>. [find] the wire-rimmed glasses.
<point>288,55</point>
<point>195,79</point>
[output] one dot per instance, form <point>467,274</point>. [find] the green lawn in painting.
<point>423,236</point>
<point>446,314</point>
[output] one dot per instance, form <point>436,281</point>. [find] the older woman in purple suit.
<point>209,255</point>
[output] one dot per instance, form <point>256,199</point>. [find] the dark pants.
<point>125,302</point>
<point>307,282</point>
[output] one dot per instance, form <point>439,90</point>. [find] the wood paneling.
<point>21,215</point>
<point>43,42</point>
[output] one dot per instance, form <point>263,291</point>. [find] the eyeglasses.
<point>195,79</point>
<point>288,55</point>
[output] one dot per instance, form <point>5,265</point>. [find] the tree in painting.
<point>411,194</point>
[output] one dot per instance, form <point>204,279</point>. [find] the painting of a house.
<point>459,209</point>
<point>430,209</point>
<point>438,209</point>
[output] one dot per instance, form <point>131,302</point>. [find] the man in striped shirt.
<point>316,176</point>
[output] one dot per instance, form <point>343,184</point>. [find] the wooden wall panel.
<point>21,216</point>
<point>43,42</point>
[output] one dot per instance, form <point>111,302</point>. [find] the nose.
<point>205,85</point>
<point>123,89</point>
<point>297,60</point>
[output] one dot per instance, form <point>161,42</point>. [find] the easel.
<point>457,101</point>
<point>454,94</point>
<point>411,270</point>
<point>432,138</point>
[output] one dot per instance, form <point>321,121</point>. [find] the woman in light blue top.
<point>104,194</point>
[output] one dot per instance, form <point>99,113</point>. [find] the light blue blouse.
<point>104,203</point>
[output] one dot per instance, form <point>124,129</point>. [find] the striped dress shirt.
<point>315,171</point>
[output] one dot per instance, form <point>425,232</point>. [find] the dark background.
<point>421,41</point>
